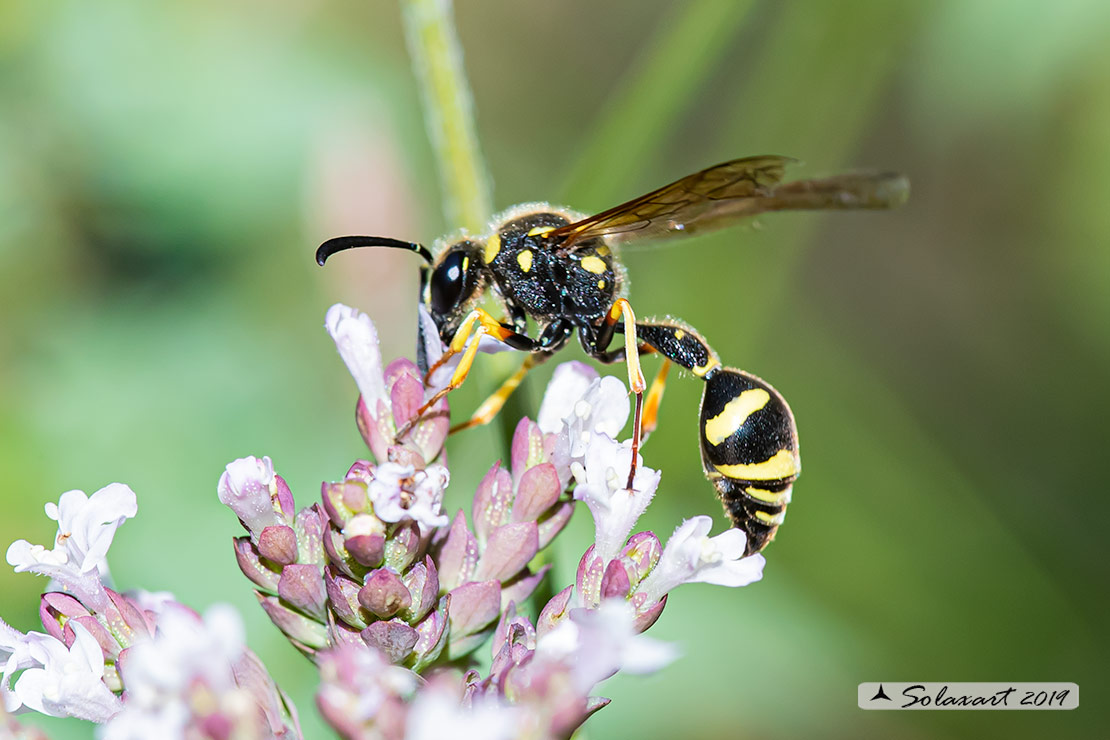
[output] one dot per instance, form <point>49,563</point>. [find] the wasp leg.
<point>473,328</point>
<point>680,344</point>
<point>654,398</point>
<point>596,343</point>
<point>492,405</point>
<point>493,327</point>
<point>552,338</point>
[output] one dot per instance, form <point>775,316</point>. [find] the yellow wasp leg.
<point>492,405</point>
<point>462,334</point>
<point>473,327</point>
<point>655,398</point>
<point>621,309</point>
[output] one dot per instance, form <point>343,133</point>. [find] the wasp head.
<point>452,285</point>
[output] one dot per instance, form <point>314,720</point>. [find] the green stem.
<point>448,111</point>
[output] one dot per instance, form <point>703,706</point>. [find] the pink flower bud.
<point>278,543</point>
<point>343,597</point>
<point>537,492</point>
<point>513,629</point>
<point>127,622</point>
<point>406,389</point>
<point>509,549</point>
<point>260,575</point>
<point>640,555</point>
<point>361,471</point>
<point>402,547</point>
<point>492,502</point>
<point>527,448</point>
<point>367,549</point>
<point>302,586</point>
<point>375,423</point>
<point>100,633</point>
<point>56,608</point>
<point>284,497</point>
<point>644,619</point>
<point>474,606</point>
<point>591,568</point>
<point>422,582</point>
<point>458,554</point>
<point>309,525</point>
<point>432,636</point>
<point>337,552</point>
<point>407,392</point>
<point>615,583</point>
<point>394,638</point>
<point>383,594</point>
<point>306,634</point>
<point>331,495</point>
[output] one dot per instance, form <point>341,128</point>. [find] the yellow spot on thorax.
<point>734,414</point>
<point>679,334</point>
<point>603,251</point>
<point>524,259</point>
<point>593,264</point>
<point>783,464</point>
<point>493,246</point>
<point>601,285</point>
<point>537,230</point>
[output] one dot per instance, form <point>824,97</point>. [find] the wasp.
<point>562,271</point>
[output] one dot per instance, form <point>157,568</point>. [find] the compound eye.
<point>447,283</point>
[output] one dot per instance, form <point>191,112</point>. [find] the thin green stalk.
<point>448,111</point>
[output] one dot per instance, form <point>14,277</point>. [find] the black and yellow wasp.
<point>562,270</point>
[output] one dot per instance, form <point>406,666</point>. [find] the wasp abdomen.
<point>749,449</point>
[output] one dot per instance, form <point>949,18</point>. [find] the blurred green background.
<point>166,170</point>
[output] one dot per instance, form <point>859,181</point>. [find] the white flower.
<point>691,556</point>
<point>601,484</point>
<point>568,385</point>
<point>160,674</point>
<point>247,487</point>
<point>582,404</point>
<point>66,682</point>
<point>598,643</point>
<point>86,526</point>
<point>13,654</point>
<point>400,492</point>
<point>427,503</point>
<point>437,714</point>
<point>357,341</point>
<point>386,490</point>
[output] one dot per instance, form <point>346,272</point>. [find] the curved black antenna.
<point>340,243</point>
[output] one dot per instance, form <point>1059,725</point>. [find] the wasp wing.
<point>721,195</point>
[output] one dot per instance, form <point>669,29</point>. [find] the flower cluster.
<point>387,594</point>
<point>140,663</point>
<point>396,584</point>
